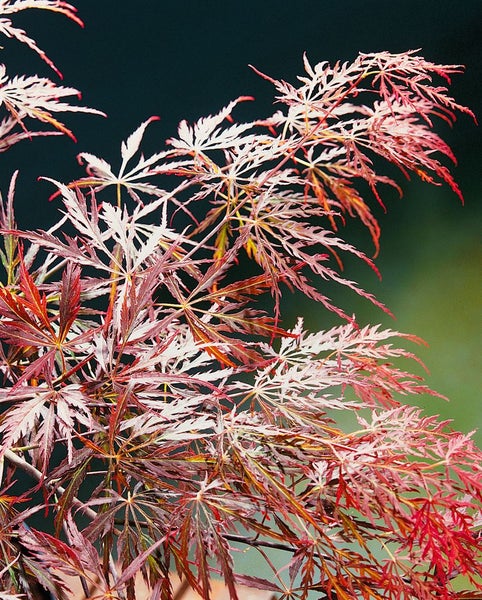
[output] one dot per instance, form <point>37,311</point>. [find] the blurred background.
<point>186,59</point>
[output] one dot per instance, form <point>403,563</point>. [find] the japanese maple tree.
<point>155,409</point>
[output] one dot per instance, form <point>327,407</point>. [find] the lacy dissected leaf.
<point>8,137</point>
<point>8,29</point>
<point>208,134</point>
<point>45,415</point>
<point>101,175</point>
<point>38,98</point>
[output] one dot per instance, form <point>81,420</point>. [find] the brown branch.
<point>22,464</point>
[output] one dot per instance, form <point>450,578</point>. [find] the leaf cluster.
<point>162,414</point>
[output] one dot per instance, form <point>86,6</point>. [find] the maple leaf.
<point>207,134</point>
<point>45,413</point>
<point>13,6</point>
<point>101,175</point>
<point>38,98</point>
<point>7,139</point>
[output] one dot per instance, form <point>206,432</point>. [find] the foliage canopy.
<point>161,412</point>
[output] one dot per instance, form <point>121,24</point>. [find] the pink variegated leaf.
<point>22,419</point>
<point>98,169</point>
<point>37,98</point>
<point>207,134</point>
<point>9,138</point>
<point>101,175</point>
<point>14,6</point>
<point>131,145</point>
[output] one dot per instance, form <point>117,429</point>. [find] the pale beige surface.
<point>218,592</point>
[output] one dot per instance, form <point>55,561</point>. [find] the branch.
<point>255,542</point>
<point>21,463</point>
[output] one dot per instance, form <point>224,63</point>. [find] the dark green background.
<point>187,59</point>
